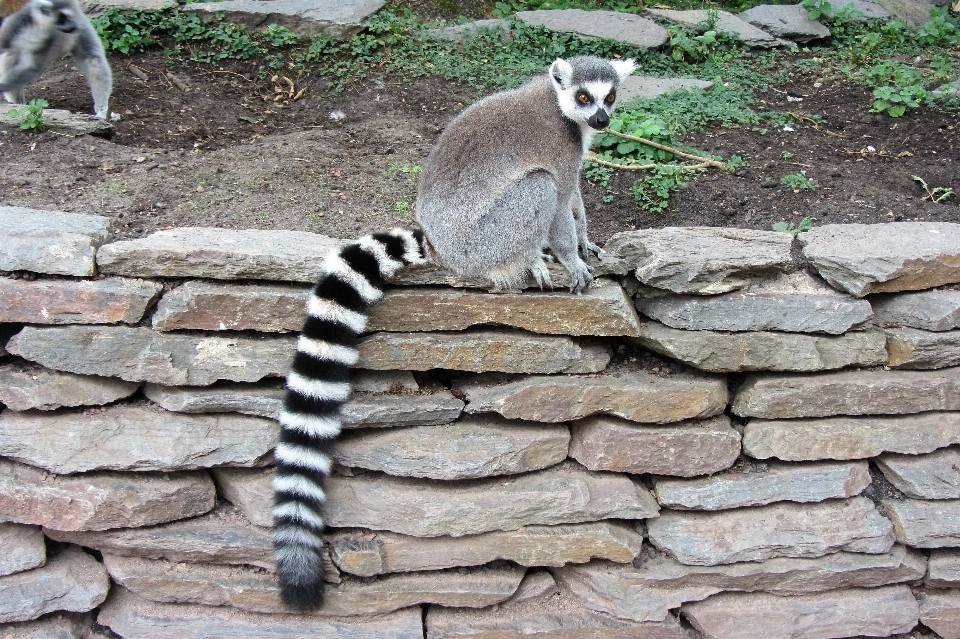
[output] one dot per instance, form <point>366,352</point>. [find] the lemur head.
<point>586,87</point>
<point>58,12</point>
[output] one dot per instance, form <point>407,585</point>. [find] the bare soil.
<point>214,146</point>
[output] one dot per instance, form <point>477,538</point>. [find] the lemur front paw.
<point>580,277</point>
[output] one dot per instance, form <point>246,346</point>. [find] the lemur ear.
<point>562,73</point>
<point>623,67</point>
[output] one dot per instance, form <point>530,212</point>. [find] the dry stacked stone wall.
<point>769,448</point>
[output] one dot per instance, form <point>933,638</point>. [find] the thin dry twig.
<point>664,147</point>
<point>813,123</point>
<point>645,167</point>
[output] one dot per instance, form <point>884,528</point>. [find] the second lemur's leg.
<point>580,218</point>
<point>90,59</point>
<point>563,240</point>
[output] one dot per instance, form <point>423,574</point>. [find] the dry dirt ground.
<point>223,153</point>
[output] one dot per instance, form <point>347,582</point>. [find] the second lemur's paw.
<point>580,278</point>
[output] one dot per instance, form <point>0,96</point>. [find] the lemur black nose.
<point>599,120</point>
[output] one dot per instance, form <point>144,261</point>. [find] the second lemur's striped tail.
<point>353,279</point>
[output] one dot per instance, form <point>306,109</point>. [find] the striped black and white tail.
<point>352,280</point>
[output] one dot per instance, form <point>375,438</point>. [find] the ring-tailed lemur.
<point>500,184</point>
<point>43,31</point>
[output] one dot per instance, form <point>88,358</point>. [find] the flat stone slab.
<point>71,581</point>
<point>797,303</point>
<point>686,449</point>
<point>564,494</point>
<point>873,612</point>
<point>216,306</point>
<point>125,437</point>
<point>59,626</point>
<point>99,7</point>
<point>940,611</point>
<point>264,400</point>
<point>26,387</point>
<point>651,589</point>
<point>470,30</point>
<point>341,19</point>
<point>884,258</point>
<point>129,615</point>
<point>51,242</point>
<point>640,32</point>
<point>222,536</point>
<point>848,393</point>
<point>140,354</point>
<point>727,23</point>
<point>718,352</point>
<point>785,21</point>
<point>752,486</point>
<point>604,310</point>
<point>249,490</point>
<point>702,260</point>
<point>648,87</point>
<point>23,548</point>
<point>635,395</point>
<point>366,554</point>
<point>943,568</point>
<point>927,310</point>
<point>220,254</point>
<point>107,301</point>
<point>935,475</point>
<point>777,530</point>
<point>484,446</point>
<point>850,437</point>
<point>64,122</point>
<point>863,10</point>
<point>925,524</point>
<point>917,349</point>
<point>98,501</point>
<point>506,351</point>
<point>255,590</point>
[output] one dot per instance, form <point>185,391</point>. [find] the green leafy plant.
<point>402,207</point>
<point>652,191</point>
<point>937,194</point>
<point>798,181</point>
<point>894,101</point>
<point>789,227</point>
<point>411,169</point>
<point>30,115</point>
<point>279,36</point>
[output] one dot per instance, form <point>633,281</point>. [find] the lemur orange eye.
<point>611,97</point>
<point>583,98</point>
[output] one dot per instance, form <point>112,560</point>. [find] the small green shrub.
<point>798,181</point>
<point>788,227</point>
<point>30,115</point>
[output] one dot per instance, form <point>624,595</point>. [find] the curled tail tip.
<point>302,597</point>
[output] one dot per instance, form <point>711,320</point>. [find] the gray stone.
<point>507,351</point>
<point>59,626</point>
<point>220,254</point>
<point>925,524</point>
<point>635,395</point>
<point>850,437</point>
<point>264,400</point>
<point>255,590</point>
<point>862,10</point>
<point>98,501</point>
<point>603,309</point>
<point>563,494</point>
<point>848,393</point>
<point>484,446</point>
<point>763,351</point>
<point>249,490</point>
<point>140,354</point>
<point>213,306</point>
<point>940,612</point>
<point>222,536</point>
<point>914,348</point>
<point>727,23</point>
<point>64,123</point>
<point>796,303</point>
<point>702,260</point>
<point>777,530</point>
<point>463,32</point>
<point>107,301</point>
<point>23,548</point>
<point>932,476</point>
<point>72,581</point>
<point>649,87</point>
<point>648,591</point>
<point>685,449</point>
<point>943,569</point>
<point>884,258</point>
<point>640,32</point>
<point>537,584</point>
<point>927,310</point>
<point>99,7</point>
<point>339,19</point>
<point>785,21</point>
<point>129,615</point>
<point>382,552</point>
<point>752,486</point>
<point>126,437</point>
<point>840,613</point>
<point>50,242</point>
<point>26,387</point>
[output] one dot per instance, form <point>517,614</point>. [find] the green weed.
<point>30,115</point>
<point>798,181</point>
<point>788,227</point>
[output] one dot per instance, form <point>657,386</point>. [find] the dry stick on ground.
<point>703,162</point>
<point>813,123</point>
